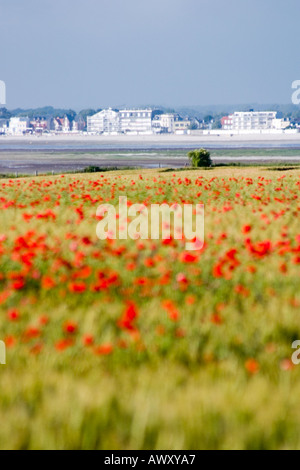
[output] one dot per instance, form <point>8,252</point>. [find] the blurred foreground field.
<point>141,344</point>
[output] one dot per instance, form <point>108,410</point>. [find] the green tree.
<point>4,114</point>
<point>217,124</point>
<point>207,119</point>
<point>85,113</point>
<point>200,158</point>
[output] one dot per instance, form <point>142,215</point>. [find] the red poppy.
<point>10,341</point>
<point>171,309</point>
<point>63,344</point>
<point>18,285</point>
<point>129,316</point>
<point>188,257</point>
<point>104,349</point>
<point>88,340</point>
<point>13,315</point>
<point>70,327</point>
<point>246,228</point>
<point>77,287</point>
<point>44,320</point>
<point>48,282</point>
<point>32,332</point>
<point>216,319</point>
<point>252,366</point>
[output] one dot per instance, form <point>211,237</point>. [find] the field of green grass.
<point>139,344</point>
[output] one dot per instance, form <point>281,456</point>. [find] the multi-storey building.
<point>57,124</point>
<point>254,121</point>
<point>226,122</point>
<point>18,125</point>
<point>61,124</point>
<point>251,120</point>
<point>106,121</point>
<point>181,125</point>
<point>163,123</point>
<point>38,126</point>
<point>137,121</point>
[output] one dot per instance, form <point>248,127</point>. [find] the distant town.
<point>147,122</point>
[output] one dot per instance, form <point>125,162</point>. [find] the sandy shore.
<point>164,140</point>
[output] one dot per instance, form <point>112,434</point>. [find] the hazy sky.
<point>94,53</point>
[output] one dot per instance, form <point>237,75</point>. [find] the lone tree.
<point>200,158</point>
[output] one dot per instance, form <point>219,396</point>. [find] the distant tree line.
<point>46,112</point>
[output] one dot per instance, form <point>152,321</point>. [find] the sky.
<point>98,53</point>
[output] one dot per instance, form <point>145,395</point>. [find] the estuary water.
<point>56,154</point>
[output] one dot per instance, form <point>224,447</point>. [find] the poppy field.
<point>140,344</point>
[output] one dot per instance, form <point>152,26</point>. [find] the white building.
<point>106,121</point>
<point>164,123</point>
<point>136,121</point>
<point>18,126</point>
<point>251,120</point>
<point>281,123</point>
<point>66,125</point>
<point>57,124</point>
<point>181,126</point>
<point>254,121</point>
<point>226,122</point>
